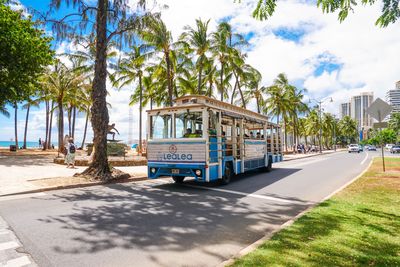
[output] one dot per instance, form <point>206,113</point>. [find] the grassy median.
<point>360,226</point>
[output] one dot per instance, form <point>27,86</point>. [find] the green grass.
<point>360,226</point>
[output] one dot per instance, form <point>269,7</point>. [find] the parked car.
<point>354,148</point>
<point>388,146</point>
<point>371,148</point>
<point>395,149</point>
<point>361,148</point>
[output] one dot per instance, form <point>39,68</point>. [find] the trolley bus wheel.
<point>178,179</point>
<point>267,168</point>
<point>226,178</point>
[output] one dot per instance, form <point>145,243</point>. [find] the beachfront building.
<point>393,98</point>
<point>359,105</point>
<point>345,110</point>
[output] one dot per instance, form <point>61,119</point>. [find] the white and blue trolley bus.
<point>209,140</point>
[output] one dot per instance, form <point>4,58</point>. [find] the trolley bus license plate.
<point>175,171</point>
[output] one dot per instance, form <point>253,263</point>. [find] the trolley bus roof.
<point>194,101</point>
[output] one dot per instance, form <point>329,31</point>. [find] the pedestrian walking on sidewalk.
<point>70,158</point>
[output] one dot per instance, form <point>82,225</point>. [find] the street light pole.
<point>334,133</point>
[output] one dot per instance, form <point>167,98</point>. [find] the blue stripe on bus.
<point>173,143</point>
<point>184,162</point>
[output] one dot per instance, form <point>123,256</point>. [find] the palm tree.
<point>198,40</point>
<point>59,81</point>
<point>348,128</point>
<point>254,89</point>
<point>130,70</point>
<point>312,124</point>
<point>278,102</point>
<point>328,124</point>
<point>221,50</point>
<point>27,106</point>
<point>159,38</point>
<point>85,106</point>
<point>297,107</point>
<point>394,122</point>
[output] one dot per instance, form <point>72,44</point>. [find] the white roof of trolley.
<point>191,101</point>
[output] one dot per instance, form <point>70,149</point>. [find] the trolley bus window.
<point>189,125</point>
<point>161,126</point>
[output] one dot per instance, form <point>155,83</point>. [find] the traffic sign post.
<point>378,110</point>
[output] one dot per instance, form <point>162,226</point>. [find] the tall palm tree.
<point>160,39</point>
<point>131,70</point>
<point>198,40</point>
<point>394,122</point>
<point>348,128</point>
<point>30,103</point>
<point>254,89</point>
<point>328,124</point>
<point>59,81</point>
<point>278,102</point>
<point>221,50</point>
<point>312,124</point>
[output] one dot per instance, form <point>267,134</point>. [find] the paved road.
<point>158,223</point>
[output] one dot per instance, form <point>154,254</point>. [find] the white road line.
<point>8,245</point>
<point>363,161</point>
<point>244,194</point>
<point>21,261</point>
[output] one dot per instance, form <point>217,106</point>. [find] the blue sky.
<point>329,58</point>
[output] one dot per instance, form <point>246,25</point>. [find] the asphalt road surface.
<point>159,223</point>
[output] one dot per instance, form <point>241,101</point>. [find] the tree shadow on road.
<point>165,218</point>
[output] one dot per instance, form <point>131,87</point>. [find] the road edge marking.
<point>366,157</point>
<point>256,244</point>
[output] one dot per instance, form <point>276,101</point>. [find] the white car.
<point>389,146</point>
<point>354,148</point>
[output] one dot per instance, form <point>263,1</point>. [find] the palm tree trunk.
<point>26,125</point>
<point>47,125</point>
<point>85,130</point>
<point>140,114</point>
<point>222,81</point>
<point>69,121</point>
<point>73,121</point>
<point>284,126</point>
<point>48,145</point>
<point>16,123</point>
<point>60,125</point>
<point>169,82</point>
<point>99,168</point>
<point>241,95</point>
<point>151,103</point>
<point>258,104</point>
<point>234,91</point>
<point>199,80</point>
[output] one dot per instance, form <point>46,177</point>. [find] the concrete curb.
<point>80,185</point>
<point>260,241</point>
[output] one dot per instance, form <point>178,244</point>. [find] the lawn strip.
<point>359,226</point>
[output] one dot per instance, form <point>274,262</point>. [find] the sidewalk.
<point>36,173</point>
<point>312,154</point>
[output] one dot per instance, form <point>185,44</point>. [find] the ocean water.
<point>29,144</point>
<point>20,143</point>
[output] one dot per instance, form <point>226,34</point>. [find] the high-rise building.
<point>359,105</point>
<point>345,110</point>
<point>393,98</point>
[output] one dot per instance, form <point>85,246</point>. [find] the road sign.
<point>379,109</point>
<point>378,125</point>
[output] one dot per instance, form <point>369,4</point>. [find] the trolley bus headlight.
<point>153,170</point>
<point>198,172</point>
